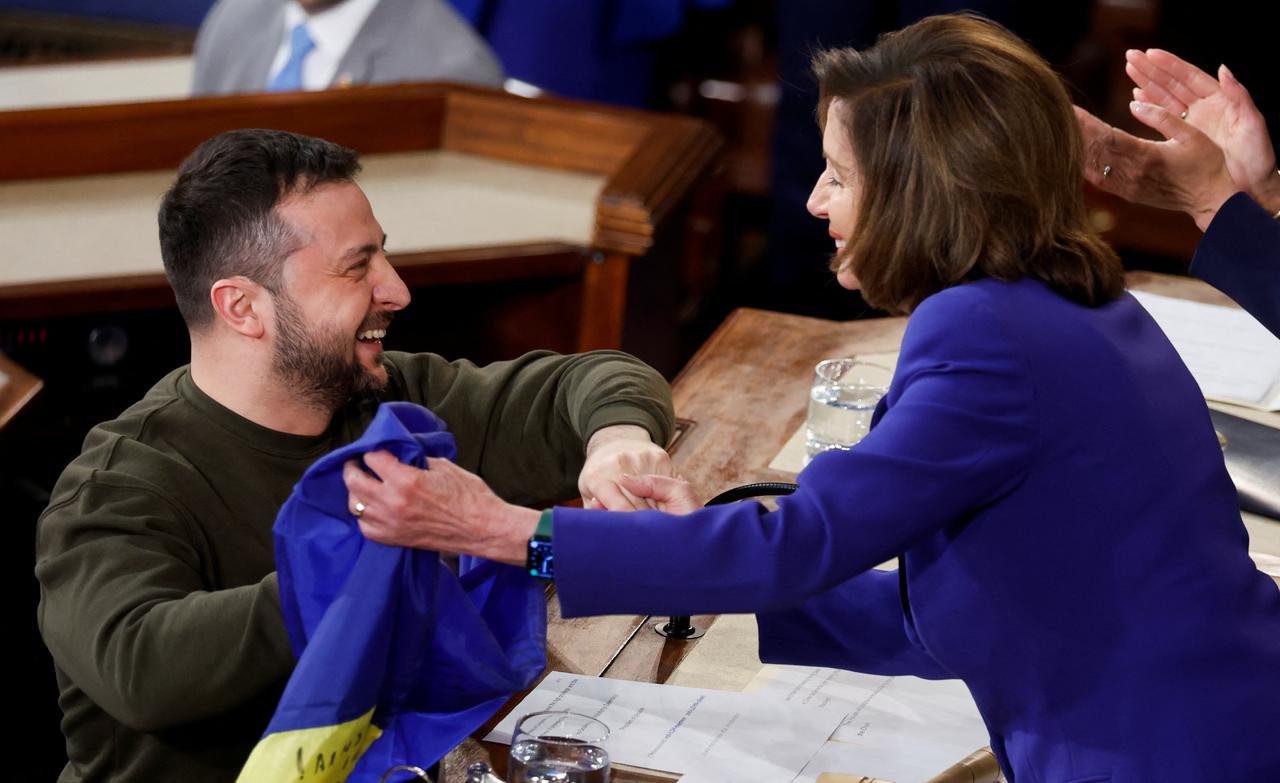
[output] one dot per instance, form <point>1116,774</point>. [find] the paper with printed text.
<point>710,736</point>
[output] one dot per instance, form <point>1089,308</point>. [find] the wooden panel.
<point>444,267</point>
<point>586,645</point>
<point>490,264</point>
<point>604,299</point>
<point>95,295</point>
<point>651,164</point>
<point>675,154</point>
<point>651,657</point>
<point>541,132</point>
<point>19,388</point>
<point>43,143</point>
<point>652,160</point>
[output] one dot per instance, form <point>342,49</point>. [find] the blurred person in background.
<point>282,45</point>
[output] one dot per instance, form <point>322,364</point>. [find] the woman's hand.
<point>443,508</point>
<point>1185,172</point>
<point>665,493</point>
<point>1221,108</point>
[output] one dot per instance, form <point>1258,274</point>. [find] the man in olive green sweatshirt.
<point>159,599</point>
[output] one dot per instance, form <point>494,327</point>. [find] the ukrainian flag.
<point>399,659</point>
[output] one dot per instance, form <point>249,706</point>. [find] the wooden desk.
<point>547,189</point>
<point>740,398</point>
<point>19,387</point>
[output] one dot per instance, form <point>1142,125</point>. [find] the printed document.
<point>710,736</point>
<point>1232,356</point>
<point>902,729</point>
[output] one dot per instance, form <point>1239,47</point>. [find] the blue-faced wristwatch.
<point>540,562</point>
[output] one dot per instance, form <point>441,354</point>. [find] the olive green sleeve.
<point>127,616</point>
<point>523,424</point>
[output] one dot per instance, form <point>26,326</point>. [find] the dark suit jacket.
<point>1069,540</point>
<point>401,41</point>
<point>1240,256</point>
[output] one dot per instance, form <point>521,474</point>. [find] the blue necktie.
<point>290,76</point>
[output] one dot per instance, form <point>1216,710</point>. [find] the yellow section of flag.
<point>325,754</point>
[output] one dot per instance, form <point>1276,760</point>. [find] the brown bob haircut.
<point>970,163</point>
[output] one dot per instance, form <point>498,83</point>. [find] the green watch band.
<point>544,525</point>
<point>540,561</point>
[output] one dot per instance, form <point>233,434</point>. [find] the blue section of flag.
<point>372,625</point>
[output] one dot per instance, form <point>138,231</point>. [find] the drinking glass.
<point>841,401</point>
<point>559,747</point>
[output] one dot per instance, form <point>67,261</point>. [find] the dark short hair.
<point>219,218</point>
<point>970,162</point>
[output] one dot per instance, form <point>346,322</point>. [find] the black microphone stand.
<point>681,626</point>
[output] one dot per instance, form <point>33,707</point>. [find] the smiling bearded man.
<point>323,367</point>
<point>159,599</point>
<point>330,363</point>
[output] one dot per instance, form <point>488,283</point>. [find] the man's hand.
<point>613,452</point>
<point>443,508</point>
<point>1186,172</point>
<point>1221,108</point>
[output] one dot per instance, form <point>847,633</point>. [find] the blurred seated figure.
<point>617,43</point>
<point>259,45</point>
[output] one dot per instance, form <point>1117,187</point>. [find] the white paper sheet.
<point>1232,356</point>
<point>898,728</point>
<point>711,736</point>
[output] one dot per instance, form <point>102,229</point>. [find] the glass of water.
<point>841,401</point>
<point>559,747</point>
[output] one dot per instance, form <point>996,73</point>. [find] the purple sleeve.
<point>958,433</point>
<point>859,625</point>
<point>1240,256</point>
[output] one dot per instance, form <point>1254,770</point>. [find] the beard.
<point>321,367</point>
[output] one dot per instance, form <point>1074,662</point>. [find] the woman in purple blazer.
<point>1043,466</point>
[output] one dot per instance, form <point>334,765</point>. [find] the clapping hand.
<point>1221,108</point>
